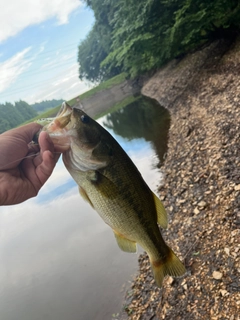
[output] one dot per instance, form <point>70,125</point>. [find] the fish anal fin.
<point>125,244</point>
<point>84,195</point>
<point>162,219</point>
<point>171,266</point>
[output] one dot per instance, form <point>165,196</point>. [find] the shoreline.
<point>201,190</point>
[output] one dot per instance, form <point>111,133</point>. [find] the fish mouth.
<point>58,128</point>
<point>64,110</point>
<point>62,119</point>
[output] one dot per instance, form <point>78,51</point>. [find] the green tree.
<point>46,104</point>
<point>4,125</point>
<point>26,111</point>
<point>95,48</point>
<point>135,36</point>
<point>10,114</point>
<point>199,21</point>
<point>138,26</point>
<point>13,115</point>
<point>90,55</point>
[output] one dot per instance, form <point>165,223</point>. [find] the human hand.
<point>24,168</point>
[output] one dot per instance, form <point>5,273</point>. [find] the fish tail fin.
<point>171,266</point>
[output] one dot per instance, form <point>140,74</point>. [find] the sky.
<point>38,49</point>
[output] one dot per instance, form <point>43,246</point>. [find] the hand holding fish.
<point>24,167</point>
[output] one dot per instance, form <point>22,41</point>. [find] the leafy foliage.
<point>90,55</point>
<point>95,48</point>
<point>135,36</point>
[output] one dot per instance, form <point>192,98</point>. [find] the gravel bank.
<point>201,190</point>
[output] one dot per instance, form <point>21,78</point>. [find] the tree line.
<point>46,104</point>
<point>12,115</point>
<point>135,36</point>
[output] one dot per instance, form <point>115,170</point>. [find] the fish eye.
<point>85,118</point>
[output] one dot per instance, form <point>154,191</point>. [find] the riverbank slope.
<point>201,190</point>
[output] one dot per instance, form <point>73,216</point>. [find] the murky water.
<point>59,260</point>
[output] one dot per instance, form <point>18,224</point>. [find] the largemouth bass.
<point>110,182</point>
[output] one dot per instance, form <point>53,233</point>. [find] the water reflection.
<point>143,118</point>
<point>58,259</point>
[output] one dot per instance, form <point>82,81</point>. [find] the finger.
<point>29,173</point>
<point>14,145</point>
<point>38,158</point>
<point>38,175</point>
<point>46,160</point>
<point>29,130</point>
<point>45,169</point>
<point>24,133</point>
<point>45,142</point>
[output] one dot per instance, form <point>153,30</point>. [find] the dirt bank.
<point>201,189</point>
<point>105,99</point>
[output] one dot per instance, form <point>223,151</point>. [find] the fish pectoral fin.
<point>103,184</point>
<point>92,175</point>
<point>162,219</point>
<point>125,244</point>
<point>83,193</point>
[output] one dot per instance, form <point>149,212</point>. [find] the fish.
<point>111,183</point>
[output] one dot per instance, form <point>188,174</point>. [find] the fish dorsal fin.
<point>83,193</point>
<point>125,244</point>
<point>161,213</point>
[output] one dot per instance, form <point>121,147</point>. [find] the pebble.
<point>223,292</point>
<point>217,275</point>
<point>202,204</point>
<point>196,211</point>
<point>227,251</point>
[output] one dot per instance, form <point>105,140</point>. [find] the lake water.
<point>59,260</point>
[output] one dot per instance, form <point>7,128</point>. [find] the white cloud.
<point>64,58</point>
<point>66,85</point>
<point>10,69</point>
<point>16,15</point>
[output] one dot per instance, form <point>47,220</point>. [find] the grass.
<point>102,86</point>
<point>118,106</point>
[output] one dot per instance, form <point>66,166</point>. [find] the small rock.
<point>202,204</point>
<point>196,211</point>
<point>169,280</point>
<point>217,275</point>
<point>237,187</point>
<point>223,292</point>
<point>227,251</point>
